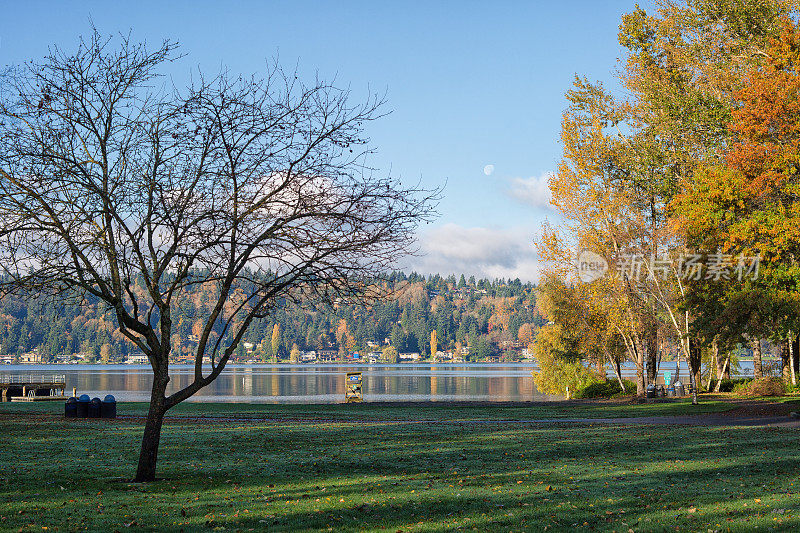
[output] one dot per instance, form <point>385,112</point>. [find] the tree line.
<point>486,316</point>
<point>683,191</point>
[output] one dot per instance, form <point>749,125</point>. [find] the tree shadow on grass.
<point>444,475</point>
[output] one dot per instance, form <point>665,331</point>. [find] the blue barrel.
<point>109,407</point>
<point>94,408</point>
<point>83,406</point>
<point>71,408</point>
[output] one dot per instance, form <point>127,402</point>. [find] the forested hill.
<point>494,318</point>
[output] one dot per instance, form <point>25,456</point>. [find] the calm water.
<point>323,383</point>
<point>308,383</point>
<point>745,369</point>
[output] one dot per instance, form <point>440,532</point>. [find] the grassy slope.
<point>416,477</point>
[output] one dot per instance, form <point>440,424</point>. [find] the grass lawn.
<point>287,475</point>
<point>415,411</point>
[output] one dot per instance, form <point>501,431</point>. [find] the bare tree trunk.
<point>615,367</point>
<point>791,359</point>
<point>661,350</point>
<point>600,368</point>
<point>785,374</point>
<point>725,370</point>
<point>714,364</point>
<point>652,351</point>
<point>722,365</point>
<point>641,383</point>
<point>758,371</point>
<point>148,455</point>
<point>693,363</point>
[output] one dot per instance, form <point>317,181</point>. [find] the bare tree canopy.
<point>116,185</point>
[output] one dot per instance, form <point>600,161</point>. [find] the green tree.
<point>275,342</point>
<point>390,355</point>
<point>558,373</point>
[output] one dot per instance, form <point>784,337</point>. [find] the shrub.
<point>766,387</point>
<point>792,389</point>
<point>741,385</point>
<point>728,385</point>
<point>606,389</point>
<point>559,375</point>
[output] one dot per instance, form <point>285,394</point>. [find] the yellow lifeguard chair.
<point>352,392</point>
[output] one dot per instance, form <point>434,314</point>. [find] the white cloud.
<point>482,252</point>
<point>532,191</point>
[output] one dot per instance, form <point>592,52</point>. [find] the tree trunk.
<point>615,368</point>
<point>792,356</point>
<point>785,374</point>
<point>724,371</point>
<point>796,352</point>
<point>727,373</point>
<point>694,363</point>
<point>641,384</point>
<point>697,377</point>
<point>652,352</point>
<point>148,455</point>
<point>714,364</point>
<point>758,371</point>
<point>600,368</point>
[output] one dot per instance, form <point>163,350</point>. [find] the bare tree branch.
<point>114,186</point>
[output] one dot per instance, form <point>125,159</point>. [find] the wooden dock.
<point>21,387</point>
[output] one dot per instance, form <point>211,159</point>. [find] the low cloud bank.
<point>482,252</point>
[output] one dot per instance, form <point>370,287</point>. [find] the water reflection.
<point>308,383</point>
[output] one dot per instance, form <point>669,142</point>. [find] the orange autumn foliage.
<point>751,203</point>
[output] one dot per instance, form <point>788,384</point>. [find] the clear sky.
<point>469,84</point>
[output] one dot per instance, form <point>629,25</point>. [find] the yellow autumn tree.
<point>558,375</point>
<point>600,216</point>
<point>105,352</point>
<point>276,341</point>
<point>294,354</point>
<point>390,355</point>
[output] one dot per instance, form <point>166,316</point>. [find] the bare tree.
<point>117,187</point>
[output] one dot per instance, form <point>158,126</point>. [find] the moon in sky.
<point>488,169</point>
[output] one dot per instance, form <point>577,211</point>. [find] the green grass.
<point>289,475</point>
<point>415,411</point>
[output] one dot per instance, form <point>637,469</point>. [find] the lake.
<point>317,383</point>
<point>324,383</point>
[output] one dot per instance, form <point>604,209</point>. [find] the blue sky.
<point>469,84</point>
